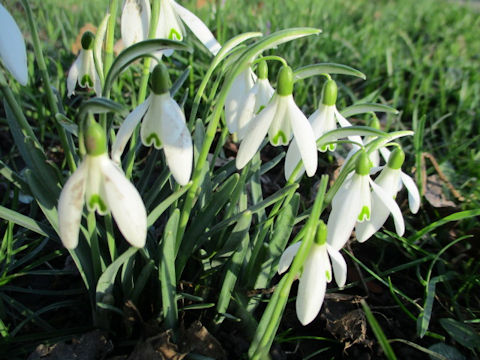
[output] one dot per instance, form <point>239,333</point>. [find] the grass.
<point>422,58</point>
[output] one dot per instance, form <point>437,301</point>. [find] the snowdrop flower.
<point>390,180</point>
<point>135,21</point>
<point>170,26</point>
<point>83,69</point>
<point>12,47</point>
<point>317,272</point>
<point>101,184</point>
<point>322,120</point>
<point>352,203</point>
<point>246,98</point>
<point>163,126</point>
<point>279,119</point>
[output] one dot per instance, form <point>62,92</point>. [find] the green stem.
<point>110,41</point>
<point>52,100</point>
<point>271,57</point>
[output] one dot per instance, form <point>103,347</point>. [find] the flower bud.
<point>396,159</point>
<point>285,81</point>
<point>329,93</point>
<point>87,40</point>
<point>262,70</point>
<point>374,123</point>
<point>160,80</point>
<point>321,234</point>
<point>95,140</point>
<point>363,165</point>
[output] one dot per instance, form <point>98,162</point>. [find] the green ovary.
<point>364,214</point>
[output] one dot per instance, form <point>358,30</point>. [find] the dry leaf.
<point>435,194</point>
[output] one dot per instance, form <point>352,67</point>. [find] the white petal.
<point>246,114</point>
<point>346,206</point>
<point>365,199</point>
<point>176,140</point>
<point>127,128</point>
<point>263,94</point>
<point>135,21</point>
<point>125,204</point>
<point>413,194</point>
<point>323,120</point>
<point>151,124</point>
<point>73,75</point>
<point>339,266</point>
<point>292,159</point>
<point>94,192</point>
<point>70,207</point>
<point>345,123</point>
<point>169,24</point>
<point>392,206</point>
<point>385,153</point>
<point>200,30</point>
<point>303,133</point>
<point>256,131</point>
<point>287,257</point>
<point>236,98</point>
<point>12,47</point>
<point>313,283</point>
<point>280,131</point>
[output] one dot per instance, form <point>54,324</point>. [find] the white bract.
<point>352,204</point>
<point>135,21</point>
<point>101,184</point>
<point>317,272</point>
<point>83,70</point>
<point>12,47</point>
<point>390,180</point>
<point>281,119</point>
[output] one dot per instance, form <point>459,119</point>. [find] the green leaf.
<point>461,333</point>
<point>99,105</point>
<point>325,68</point>
<point>160,208</point>
<point>67,124</point>
<point>137,51</point>
<point>447,351</point>
<point>23,221</point>
<point>334,135</point>
<point>357,109</point>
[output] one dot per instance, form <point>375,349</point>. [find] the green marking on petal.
<point>280,134</point>
<point>328,275</point>
<point>174,35</point>
<point>86,81</point>
<point>153,139</point>
<point>364,214</point>
<point>96,201</point>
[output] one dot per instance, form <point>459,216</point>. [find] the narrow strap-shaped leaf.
<point>357,109</point>
<point>326,68</point>
<point>23,221</point>
<point>160,208</point>
<point>99,105</point>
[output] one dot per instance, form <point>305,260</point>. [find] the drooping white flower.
<point>101,184</point>
<point>12,47</point>
<point>248,95</point>
<point>281,119</point>
<point>135,21</point>
<point>352,203</point>
<point>390,180</point>
<point>324,119</point>
<point>163,126</point>
<point>317,272</point>
<point>83,69</point>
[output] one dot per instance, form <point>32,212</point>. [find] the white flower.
<point>280,118</point>
<point>101,184</point>
<point>170,26</point>
<point>324,119</point>
<point>135,21</point>
<point>83,69</point>
<point>317,271</point>
<point>163,126</point>
<point>390,180</point>
<point>352,204</point>
<point>12,47</point>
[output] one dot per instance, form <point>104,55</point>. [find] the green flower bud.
<point>396,159</point>
<point>285,81</point>
<point>363,165</point>
<point>262,70</point>
<point>321,234</point>
<point>374,123</point>
<point>87,40</point>
<point>160,80</point>
<point>329,93</point>
<point>95,140</point>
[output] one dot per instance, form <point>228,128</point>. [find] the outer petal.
<point>392,206</point>
<point>177,141</point>
<point>313,283</point>
<point>135,21</point>
<point>125,204</point>
<point>12,47</point>
<point>256,130</point>
<point>413,194</point>
<point>236,98</point>
<point>287,257</point>
<point>197,26</point>
<point>303,132</point>
<point>292,159</point>
<point>339,266</point>
<point>73,75</point>
<point>70,207</point>
<point>345,123</point>
<point>246,113</point>
<point>127,128</point>
<point>346,206</point>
